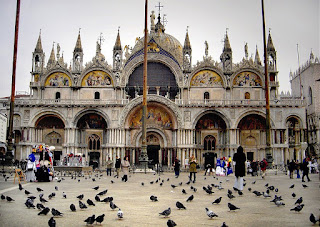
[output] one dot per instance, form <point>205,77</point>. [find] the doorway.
<point>153,154</point>
<point>250,156</point>
<point>94,159</point>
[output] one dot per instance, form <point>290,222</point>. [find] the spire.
<point>159,27</point>
<point>117,45</point>
<point>311,56</point>
<point>227,46</point>
<point>52,58</point>
<point>270,46</point>
<point>39,45</point>
<point>187,44</point>
<point>257,57</point>
<point>78,47</point>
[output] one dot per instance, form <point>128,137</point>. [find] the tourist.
<point>118,166</point>
<point>305,169</point>
<point>254,167</point>
<point>176,165</point>
<point>193,168</point>
<point>125,168</point>
<point>229,166</point>
<point>239,158</point>
<point>31,167</point>
<point>292,167</point>
<point>109,166</point>
<point>263,166</point>
<point>208,169</point>
<point>298,164</point>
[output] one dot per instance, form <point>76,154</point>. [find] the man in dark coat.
<point>305,169</point>
<point>239,158</point>
<point>117,166</point>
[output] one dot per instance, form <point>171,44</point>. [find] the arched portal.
<point>252,136</point>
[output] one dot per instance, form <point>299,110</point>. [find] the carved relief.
<point>187,116</point>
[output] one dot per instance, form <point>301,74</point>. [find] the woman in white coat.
<point>125,164</point>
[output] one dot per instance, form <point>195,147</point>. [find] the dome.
<point>165,41</point>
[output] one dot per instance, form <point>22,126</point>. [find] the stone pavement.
<point>133,199</point>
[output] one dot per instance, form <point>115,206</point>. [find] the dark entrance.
<point>209,159</point>
<point>153,154</point>
<point>94,159</point>
<point>57,157</point>
<point>250,156</point>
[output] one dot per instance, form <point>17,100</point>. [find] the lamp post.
<point>143,159</point>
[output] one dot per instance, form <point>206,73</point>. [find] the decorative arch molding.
<point>202,113</point>
<point>95,68</point>
<point>247,113</point>
<point>81,113</point>
<point>151,98</point>
<point>49,73</point>
<point>40,114</point>
<point>208,68</point>
<point>250,70</point>
<point>152,57</point>
<point>295,116</point>
<point>164,136</point>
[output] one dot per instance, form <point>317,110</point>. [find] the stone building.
<point>305,83</point>
<point>207,109</point>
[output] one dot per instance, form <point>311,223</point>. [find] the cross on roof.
<point>100,39</point>
<point>159,6</point>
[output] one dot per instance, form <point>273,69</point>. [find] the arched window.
<point>209,143</point>
<point>247,95</point>
<point>310,96</point>
<point>206,95</point>
<point>58,95</point>
<point>94,142</point>
<point>97,95</point>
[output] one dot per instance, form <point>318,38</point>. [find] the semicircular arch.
<point>82,113</point>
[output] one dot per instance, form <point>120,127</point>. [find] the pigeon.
<point>299,201</point>
<point>292,186</point>
<point>120,214</point>
<point>55,212</point>
<point>293,195</point>
<point>97,198</point>
<point>249,189</point>
<point>90,202</point>
<point>90,220</point>
<point>266,195</point>
<point>43,200</point>
<point>107,199</point>
<point>229,192</point>
<point>52,222</point>
<point>80,196</point>
<point>210,213</point>
<point>142,183</point>
<point>100,218</point>
<point>96,188</point>
<point>32,197</point>
<point>82,205</point>
<point>191,197</point>
<point>20,187</point>
<point>298,208</point>
<point>304,186</point>
<point>257,193</point>
<point>279,203</point>
<point>171,223</point>
<point>313,219</point>
<point>151,182</point>
<point>230,196</point>
<point>253,182</point>
<point>73,207</point>
<point>184,191</point>
<point>276,190</point>
<point>113,206</point>
<point>64,195</point>
<point>217,201</point>
<point>40,206</point>
<point>224,224</point>
<point>45,211</point>
<point>39,190</point>
<point>232,207</point>
<point>29,204</point>
<point>9,199</point>
<point>3,197</point>
<point>161,184</point>
<point>180,206</point>
<point>271,188</point>
<point>267,184</point>
<point>240,193</point>
<point>173,186</point>
<point>56,188</point>
<point>154,198</point>
<point>166,212</point>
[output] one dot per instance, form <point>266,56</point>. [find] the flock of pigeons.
<point>83,203</point>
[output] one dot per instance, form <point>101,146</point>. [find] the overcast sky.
<point>291,22</point>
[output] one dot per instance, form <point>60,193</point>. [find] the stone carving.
<point>206,48</point>
<point>187,116</point>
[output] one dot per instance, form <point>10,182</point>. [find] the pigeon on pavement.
<point>52,222</point>
<point>191,197</point>
<point>100,218</point>
<point>9,199</point>
<point>153,198</point>
<point>210,213</point>
<point>313,219</point>
<point>298,208</point>
<point>90,202</point>
<point>120,214</point>
<point>90,220</point>
<point>180,205</point>
<point>82,205</point>
<point>45,211</point>
<point>73,207</point>
<point>171,223</point>
<point>232,207</point>
<point>217,201</point>
<point>55,212</point>
<point>166,212</point>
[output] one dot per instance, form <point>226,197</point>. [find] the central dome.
<point>165,41</point>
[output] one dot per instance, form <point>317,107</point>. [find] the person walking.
<point>305,169</point>
<point>193,168</point>
<point>239,158</point>
<point>176,165</point>
<point>118,166</point>
<point>292,167</point>
<point>125,168</point>
<point>263,166</point>
<point>109,166</point>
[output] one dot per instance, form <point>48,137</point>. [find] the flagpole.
<point>13,83</point>
<point>144,155</point>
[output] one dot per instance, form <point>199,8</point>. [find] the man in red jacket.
<point>263,166</point>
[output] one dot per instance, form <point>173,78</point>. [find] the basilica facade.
<point>206,109</point>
